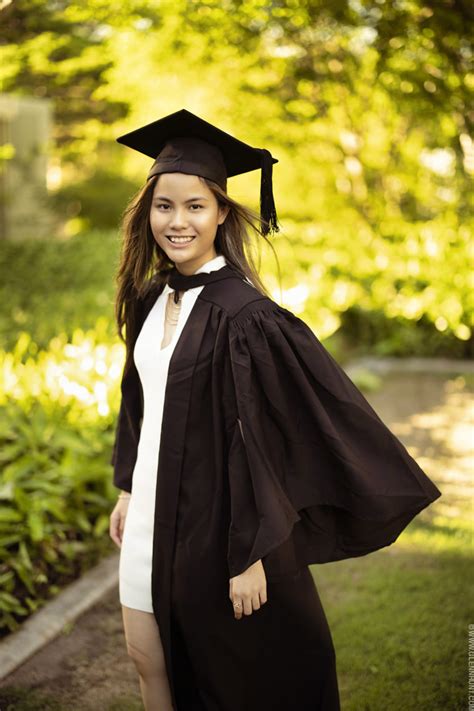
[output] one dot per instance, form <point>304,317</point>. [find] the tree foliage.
<point>367,104</point>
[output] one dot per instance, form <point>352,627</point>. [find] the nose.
<point>178,218</point>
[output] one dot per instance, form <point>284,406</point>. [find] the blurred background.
<point>367,104</point>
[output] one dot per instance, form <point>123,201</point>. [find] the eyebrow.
<point>162,197</point>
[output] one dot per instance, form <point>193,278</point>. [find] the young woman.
<point>243,451</point>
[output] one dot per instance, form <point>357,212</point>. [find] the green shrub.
<point>56,490</point>
<point>51,287</point>
<point>98,200</point>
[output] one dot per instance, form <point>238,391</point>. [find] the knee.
<point>148,665</point>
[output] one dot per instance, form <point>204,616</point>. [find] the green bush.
<point>51,287</point>
<point>56,490</point>
<point>98,200</point>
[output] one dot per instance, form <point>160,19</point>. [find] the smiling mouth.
<point>180,240</point>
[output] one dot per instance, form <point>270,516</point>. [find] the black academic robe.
<point>268,451</point>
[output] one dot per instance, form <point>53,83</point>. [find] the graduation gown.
<point>268,451</point>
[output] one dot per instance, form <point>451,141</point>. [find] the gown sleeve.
<point>307,451</point>
<point>127,428</point>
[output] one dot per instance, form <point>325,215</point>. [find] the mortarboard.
<point>184,143</point>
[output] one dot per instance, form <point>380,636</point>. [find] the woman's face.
<point>184,207</point>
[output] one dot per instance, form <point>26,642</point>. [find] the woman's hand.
<point>250,589</point>
<point>117,520</point>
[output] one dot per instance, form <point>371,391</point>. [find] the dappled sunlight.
<point>433,417</point>
<point>82,375</point>
<point>365,108</point>
<point>442,537</point>
<point>294,298</point>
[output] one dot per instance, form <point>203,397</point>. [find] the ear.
<point>223,212</point>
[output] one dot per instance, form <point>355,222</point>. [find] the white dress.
<point>152,365</point>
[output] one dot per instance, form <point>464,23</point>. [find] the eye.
<point>161,205</point>
<point>198,206</point>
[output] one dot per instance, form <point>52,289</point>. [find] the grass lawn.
<point>400,626</point>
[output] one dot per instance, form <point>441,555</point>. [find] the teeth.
<point>180,239</point>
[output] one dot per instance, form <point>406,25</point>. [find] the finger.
<point>238,610</point>
<point>256,602</point>
<point>115,531</point>
<point>121,527</point>
<point>116,537</point>
<point>112,529</point>
<point>263,596</point>
<point>247,605</point>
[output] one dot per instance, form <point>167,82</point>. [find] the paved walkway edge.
<point>48,622</point>
<point>78,597</point>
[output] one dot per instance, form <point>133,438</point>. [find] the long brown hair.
<point>143,263</point>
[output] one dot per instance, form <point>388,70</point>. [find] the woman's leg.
<point>144,646</point>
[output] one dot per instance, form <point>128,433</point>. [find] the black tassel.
<point>268,216</point>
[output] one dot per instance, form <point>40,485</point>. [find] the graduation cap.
<point>184,143</point>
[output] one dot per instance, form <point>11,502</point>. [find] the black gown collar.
<point>181,282</point>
